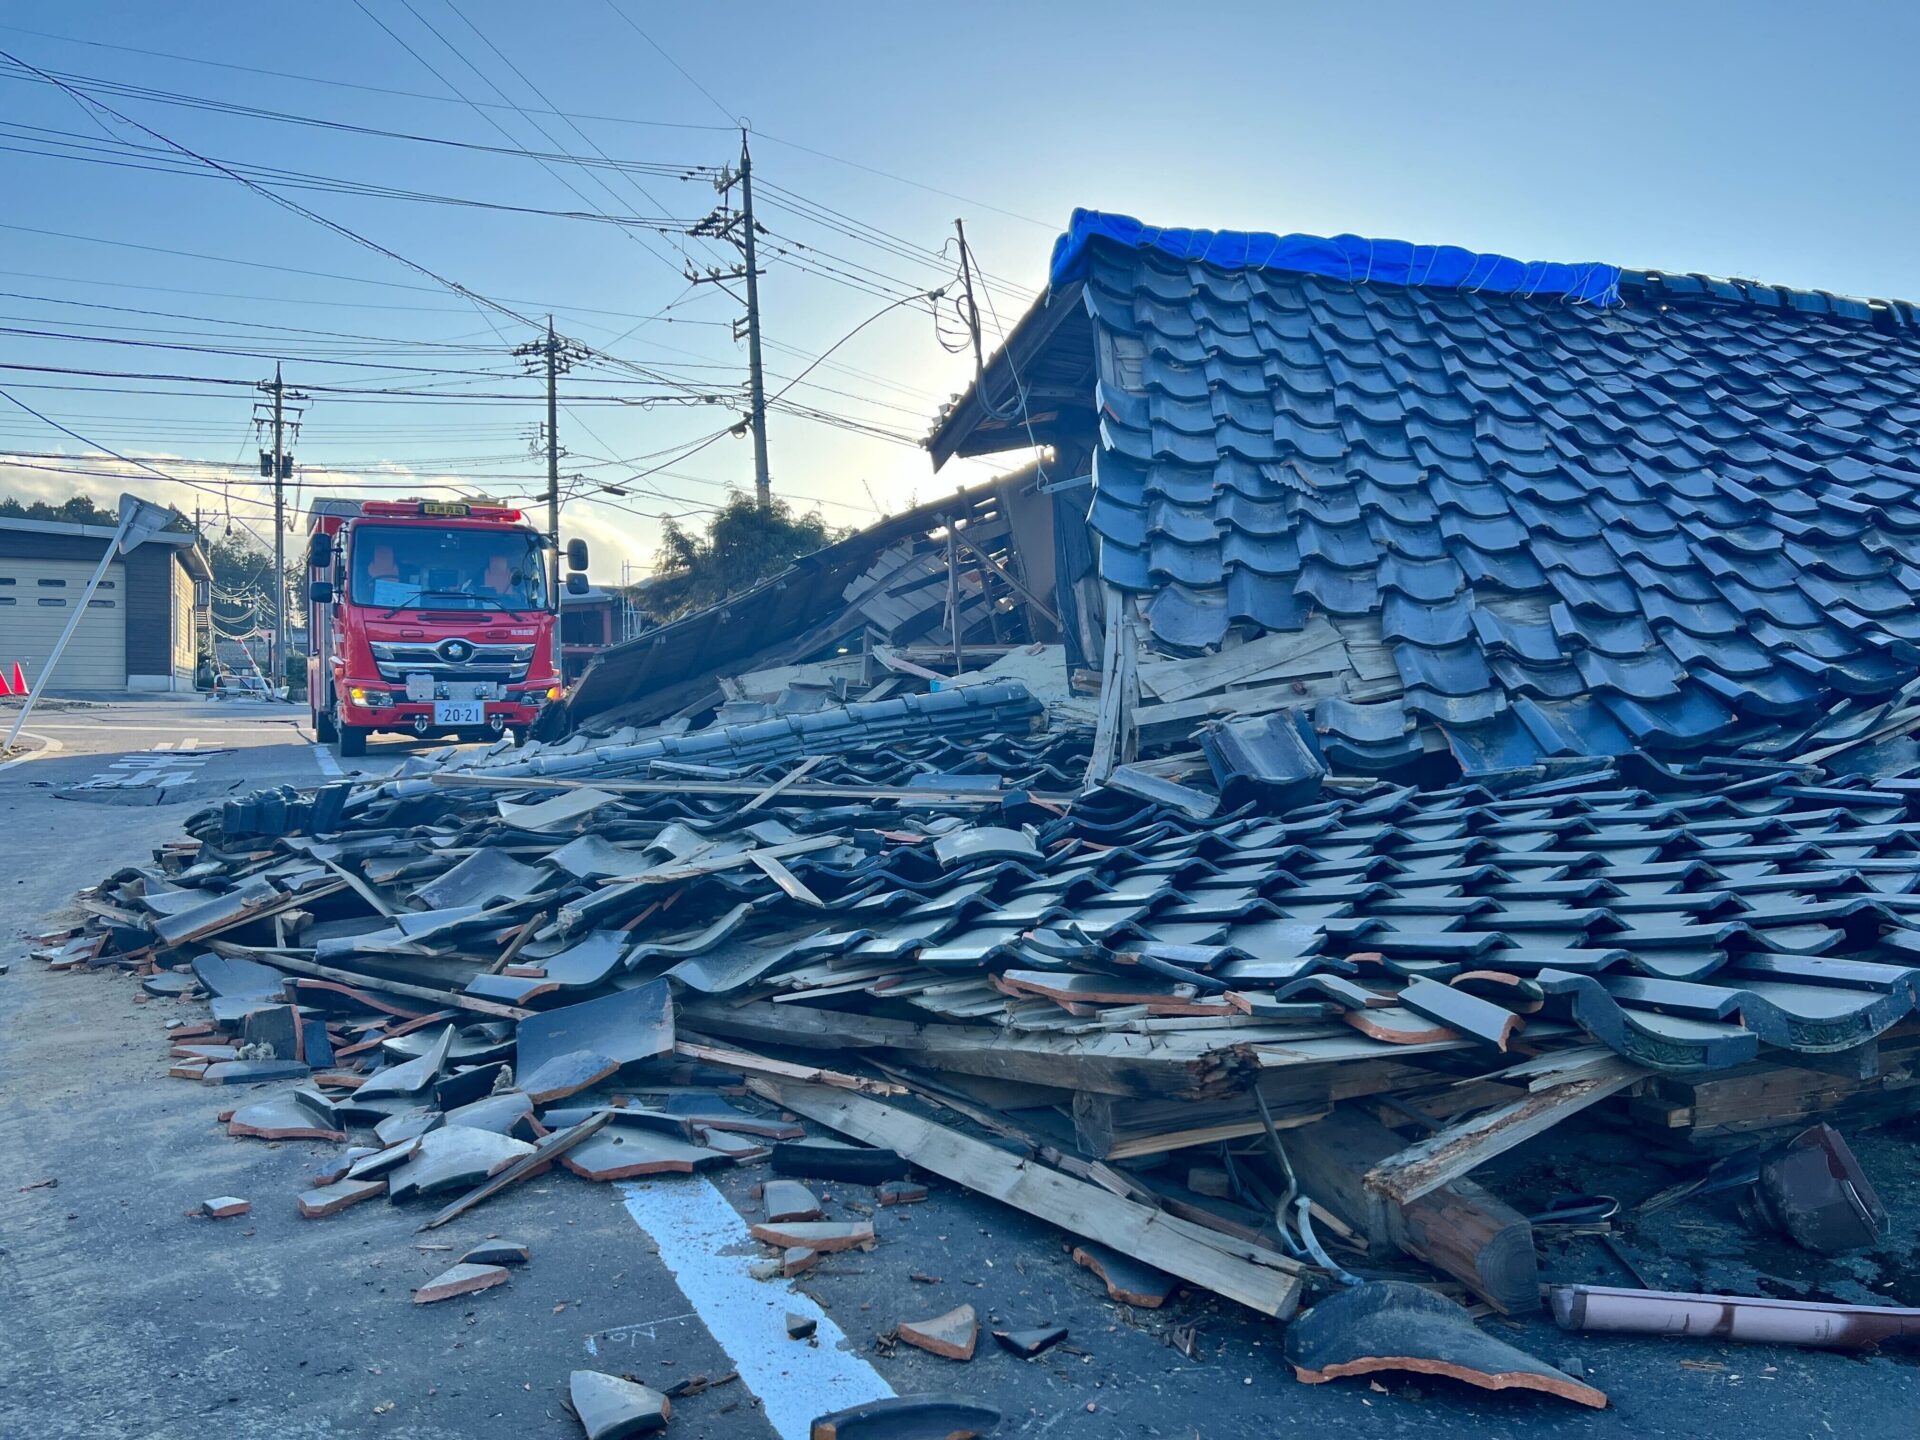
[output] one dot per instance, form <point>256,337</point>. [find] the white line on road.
<point>48,746</point>
<point>329,767</point>
<point>693,1227</point>
<point>226,727</point>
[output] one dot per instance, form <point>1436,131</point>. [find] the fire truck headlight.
<point>359,695</point>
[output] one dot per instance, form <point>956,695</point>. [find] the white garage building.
<point>139,632</point>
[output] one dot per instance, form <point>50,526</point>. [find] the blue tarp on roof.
<point>1688,523</point>
<point>1342,257</point>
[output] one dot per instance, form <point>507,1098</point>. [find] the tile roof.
<point>1574,529</point>
<point>1683,918</point>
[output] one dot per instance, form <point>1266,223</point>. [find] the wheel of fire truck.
<point>353,741</point>
<point>323,730</point>
<point>520,733</point>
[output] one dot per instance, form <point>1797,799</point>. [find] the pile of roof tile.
<point>1633,651</point>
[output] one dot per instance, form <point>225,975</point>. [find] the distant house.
<point>139,632</point>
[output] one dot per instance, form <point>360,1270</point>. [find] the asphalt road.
<point>121,1316</point>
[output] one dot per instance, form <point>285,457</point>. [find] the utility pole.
<point>279,532</point>
<point>973,310</point>
<point>555,356</point>
<point>756,384</point>
<point>553,458</point>
<point>738,229</point>
<point>279,465</point>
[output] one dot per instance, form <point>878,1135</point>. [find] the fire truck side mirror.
<point>576,554</point>
<point>320,551</point>
<point>321,592</point>
<point>576,582</point>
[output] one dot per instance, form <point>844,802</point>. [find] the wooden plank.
<point>924,796</point>
<point>760,1064</point>
<point>1264,1282</point>
<point>1117,1063</point>
<point>782,783</point>
<point>527,1166</point>
<point>520,938</point>
<point>790,883</point>
<point>1454,1151</point>
<point>1114,1127</point>
<point>1106,732</point>
<point>704,864</point>
<point>1316,649</point>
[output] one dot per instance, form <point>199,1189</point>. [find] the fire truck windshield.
<point>410,567</point>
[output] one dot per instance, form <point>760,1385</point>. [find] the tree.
<point>78,510</point>
<point>742,545</point>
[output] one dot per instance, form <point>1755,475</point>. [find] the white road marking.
<point>48,746</point>
<point>693,1228</point>
<point>161,766</point>
<point>329,767</point>
<point>100,727</point>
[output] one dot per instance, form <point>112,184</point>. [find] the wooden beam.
<point>1452,1152</point>
<point>1260,1280</point>
<point>927,796</point>
<point>782,783</point>
<point>781,1069</point>
<point>1000,570</point>
<point>1459,1227</point>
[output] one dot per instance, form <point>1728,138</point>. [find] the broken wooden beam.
<point>1454,1151</point>
<point>1457,1227</point>
<point>1260,1280</point>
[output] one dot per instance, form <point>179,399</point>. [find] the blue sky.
<point>1763,140</point>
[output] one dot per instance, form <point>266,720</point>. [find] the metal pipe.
<point>1752,1319</point>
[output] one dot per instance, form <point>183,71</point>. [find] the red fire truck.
<point>429,617</point>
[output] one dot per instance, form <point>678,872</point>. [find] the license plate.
<point>459,712</point>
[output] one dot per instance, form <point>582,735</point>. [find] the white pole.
<point>73,621</point>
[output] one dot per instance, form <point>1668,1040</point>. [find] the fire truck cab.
<point>429,618</point>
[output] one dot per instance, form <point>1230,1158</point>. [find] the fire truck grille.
<point>453,661</point>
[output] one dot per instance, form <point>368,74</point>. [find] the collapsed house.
<point>1419,698</point>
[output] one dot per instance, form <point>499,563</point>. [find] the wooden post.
<point>1458,1227</point>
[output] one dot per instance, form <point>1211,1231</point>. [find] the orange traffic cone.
<point>4,691</point>
<point>20,686</point>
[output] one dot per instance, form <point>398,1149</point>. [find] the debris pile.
<point>1181,1015</point>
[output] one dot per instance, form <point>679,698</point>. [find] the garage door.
<point>36,600</point>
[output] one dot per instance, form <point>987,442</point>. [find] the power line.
<point>295,206</point>
<point>634,26</point>
<point>122,155</point>
<point>125,90</point>
<point>576,115</point>
<point>314,274</point>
